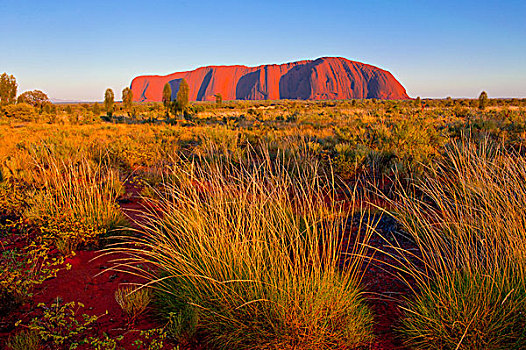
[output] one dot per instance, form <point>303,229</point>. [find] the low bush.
<point>65,326</point>
<point>21,111</point>
<point>69,233</point>
<point>13,201</point>
<point>21,269</point>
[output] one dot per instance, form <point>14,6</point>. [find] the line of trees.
<point>34,105</point>
<point>26,106</point>
<point>30,104</point>
<point>9,87</point>
<point>181,100</point>
<point>109,101</point>
<point>40,101</point>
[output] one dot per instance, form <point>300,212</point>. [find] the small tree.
<point>418,102</point>
<point>35,98</point>
<point>127,99</point>
<point>167,98</point>
<point>8,87</point>
<point>109,100</point>
<point>483,100</point>
<point>182,95</point>
<point>219,99</point>
<point>47,108</point>
<point>96,109</point>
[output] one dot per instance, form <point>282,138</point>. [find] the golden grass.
<point>470,273</point>
<point>25,340</point>
<point>76,202</point>
<point>251,257</point>
<point>237,226</point>
<point>133,301</point>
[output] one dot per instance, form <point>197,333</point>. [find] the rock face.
<point>321,79</point>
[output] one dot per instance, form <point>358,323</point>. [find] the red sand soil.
<point>384,294</point>
<point>321,79</point>
<point>92,283</point>
<point>88,282</point>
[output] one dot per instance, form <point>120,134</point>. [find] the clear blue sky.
<point>74,51</point>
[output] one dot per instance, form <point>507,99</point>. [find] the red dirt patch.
<point>89,283</point>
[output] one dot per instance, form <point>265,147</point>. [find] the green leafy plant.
<point>182,324</point>
<point>69,233</point>
<point>104,342</point>
<point>13,200</point>
<point>152,339</point>
<point>62,325</point>
<point>21,269</point>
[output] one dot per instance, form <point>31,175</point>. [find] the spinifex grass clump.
<point>250,257</point>
<point>75,203</point>
<point>470,288</point>
<point>25,340</point>
<point>133,301</point>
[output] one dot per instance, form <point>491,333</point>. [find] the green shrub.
<point>13,200</point>
<point>68,232</point>
<point>21,269</point>
<point>62,325</point>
